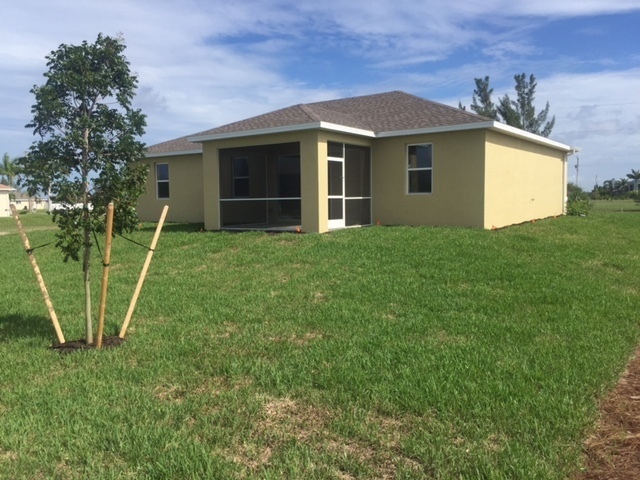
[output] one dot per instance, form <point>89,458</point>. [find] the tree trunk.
<point>87,279</point>
<point>86,226</point>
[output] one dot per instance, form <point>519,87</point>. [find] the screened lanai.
<point>260,187</point>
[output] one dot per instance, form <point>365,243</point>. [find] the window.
<point>240,177</point>
<point>420,168</point>
<point>162,180</point>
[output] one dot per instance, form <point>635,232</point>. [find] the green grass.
<point>31,221</point>
<point>364,353</point>
<point>615,206</point>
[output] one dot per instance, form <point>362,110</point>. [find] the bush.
<point>578,202</point>
<point>579,207</point>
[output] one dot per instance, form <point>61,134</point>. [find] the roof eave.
<point>489,125</point>
<point>283,129</point>
<point>442,129</point>
<point>518,133</point>
<point>171,154</point>
<point>251,133</point>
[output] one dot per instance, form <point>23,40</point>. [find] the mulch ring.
<point>612,452</point>
<point>76,345</point>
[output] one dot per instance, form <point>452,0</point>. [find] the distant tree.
<point>623,186</point>
<point>521,112</point>
<point>610,187</point>
<point>481,102</point>
<point>9,171</point>
<point>88,145</point>
<point>10,174</point>
<point>635,176</point>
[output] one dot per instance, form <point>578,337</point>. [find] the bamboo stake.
<point>143,274</point>
<point>34,264</point>
<point>105,274</point>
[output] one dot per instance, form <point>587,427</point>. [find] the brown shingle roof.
<point>383,112</point>
<point>178,145</point>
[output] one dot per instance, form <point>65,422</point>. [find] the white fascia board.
<point>446,128</point>
<point>284,129</point>
<point>491,125</point>
<point>171,154</point>
<point>516,132</point>
<point>341,128</point>
<point>251,133</point>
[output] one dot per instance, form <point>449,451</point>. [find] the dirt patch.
<point>285,420</point>
<point>76,345</point>
<point>299,340</point>
<point>613,451</point>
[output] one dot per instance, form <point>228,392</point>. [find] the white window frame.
<point>158,182</point>
<point>418,169</point>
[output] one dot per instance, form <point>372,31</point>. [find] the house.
<point>5,191</point>
<point>389,159</point>
<point>29,204</point>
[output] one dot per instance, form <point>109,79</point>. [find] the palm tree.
<point>610,186</point>
<point>635,176</point>
<point>623,186</point>
<point>9,171</point>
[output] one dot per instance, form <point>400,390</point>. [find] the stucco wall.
<point>185,190</point>
<point>458,189</point>
<point>4,204</point>
<point>524,181</point>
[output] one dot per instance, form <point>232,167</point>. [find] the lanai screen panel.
<point>357,185</point>
<point>260,187</point>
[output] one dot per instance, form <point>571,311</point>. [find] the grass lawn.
<point>365,353</point>
<point>31,222</point>
<point>615,206</point>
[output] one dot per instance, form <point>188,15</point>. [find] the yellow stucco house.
<point>5,202</point>
<point>389,159</point>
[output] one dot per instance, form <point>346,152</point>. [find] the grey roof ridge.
<point>312,107</point>
<point>310,113</point>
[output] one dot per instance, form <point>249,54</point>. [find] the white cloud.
<point>204,63</point>
<point>599,113</point>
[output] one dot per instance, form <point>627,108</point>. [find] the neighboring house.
<point>5,191</point>
<point>387,159</point>
<point>30,204</point>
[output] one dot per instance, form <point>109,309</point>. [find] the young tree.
<point>88,146</point>
<point>521,112</point>
<point>482,103</point>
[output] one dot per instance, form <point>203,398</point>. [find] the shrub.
<point>578,202</point>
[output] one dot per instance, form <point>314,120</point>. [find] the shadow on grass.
<point>174,227</point>
<point>19,326</point>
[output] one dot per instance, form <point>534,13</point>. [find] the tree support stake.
<point>34,264</point>
<point>143,274</point>
<point>105,274</point>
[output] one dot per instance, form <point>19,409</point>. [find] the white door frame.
<point>336,222</point>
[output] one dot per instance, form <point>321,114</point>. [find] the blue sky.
<point>206,63</point>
